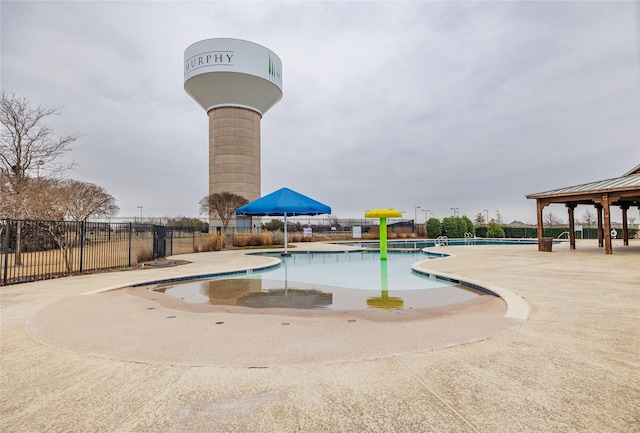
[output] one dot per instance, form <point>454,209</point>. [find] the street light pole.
<point>415,220</point>
<point>140,207</point>
<point>426,217</point>
<point>487,211</point>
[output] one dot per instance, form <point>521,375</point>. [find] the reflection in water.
<point>260,293</point>
<point>353,281</point>
<point>251,292</point>
<point>385,301</point>
<point>290,298</point>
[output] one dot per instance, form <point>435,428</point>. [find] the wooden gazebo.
<point>621,191</point>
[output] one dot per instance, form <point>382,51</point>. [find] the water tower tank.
<point>235,82</point>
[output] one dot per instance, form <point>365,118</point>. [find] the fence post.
<point>83,231</point>
<point>130,240</point>
<point>17,255</point>
<point>154,251</point>
<point>6,252</point>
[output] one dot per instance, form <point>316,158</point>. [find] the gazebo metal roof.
<point>623,190</point>
<point>619,184</point>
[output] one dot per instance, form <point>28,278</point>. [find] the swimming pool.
<point>426,243</point>
<point>334,281</point>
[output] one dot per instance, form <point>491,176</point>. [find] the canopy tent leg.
<point>285,234</point>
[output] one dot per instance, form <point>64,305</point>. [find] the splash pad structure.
<point>384,301</point>
<point>383,214</point>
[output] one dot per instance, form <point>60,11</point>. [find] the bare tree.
<point>50,201</point>
<point>479,219</point>
<point>333,221</point>
<point>39,199</point>
<point>27,143</point>
<point>499,217</point>
<point>84,200</point>
<point>588,218</point>
<point>552,220</point>
<point>222,204</point>
<point>43,198</point>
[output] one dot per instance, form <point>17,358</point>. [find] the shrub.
<point>454,227</point>
<point>266,237</point>
<point>469,224</point>
<point>481,232</point>
<point>240,240</point>
<point>519,232</point>
<point>250,240</point>
<point>451,228</point>
<point>273,225</point>
<point>277,238</point>
<point>494,230</point>
<point>374,232</point>
<point>434,228</point>
<point>399,232</point>
<point>214,242</point>
<point>144,255</point>
<point>255,240</point>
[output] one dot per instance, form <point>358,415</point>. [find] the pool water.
<point>333,281</point>
<point>427,243</point>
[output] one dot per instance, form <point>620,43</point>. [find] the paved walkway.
<point>572,366</point>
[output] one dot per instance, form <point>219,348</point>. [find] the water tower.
<point>236,82</point>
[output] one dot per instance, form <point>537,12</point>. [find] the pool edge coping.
<point>517,307</point>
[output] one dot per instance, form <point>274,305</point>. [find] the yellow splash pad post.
<point>383,214</point>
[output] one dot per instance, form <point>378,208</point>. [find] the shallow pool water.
<point>428,243</point>
<point>335,281</point>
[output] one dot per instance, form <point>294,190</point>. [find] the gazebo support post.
<point>540,206</point>
<point>600,230</point>
<point>608,247</point>
<point>625,227</point>
<point>572,228</point>
<point>606,229</point>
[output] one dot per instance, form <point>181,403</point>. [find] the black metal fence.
<point>37,249</point>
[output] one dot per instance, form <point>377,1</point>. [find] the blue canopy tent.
<point>284,202</point>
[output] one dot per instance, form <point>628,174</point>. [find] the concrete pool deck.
<point>573,366</point>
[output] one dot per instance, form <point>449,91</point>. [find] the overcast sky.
<point>468,105</point>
